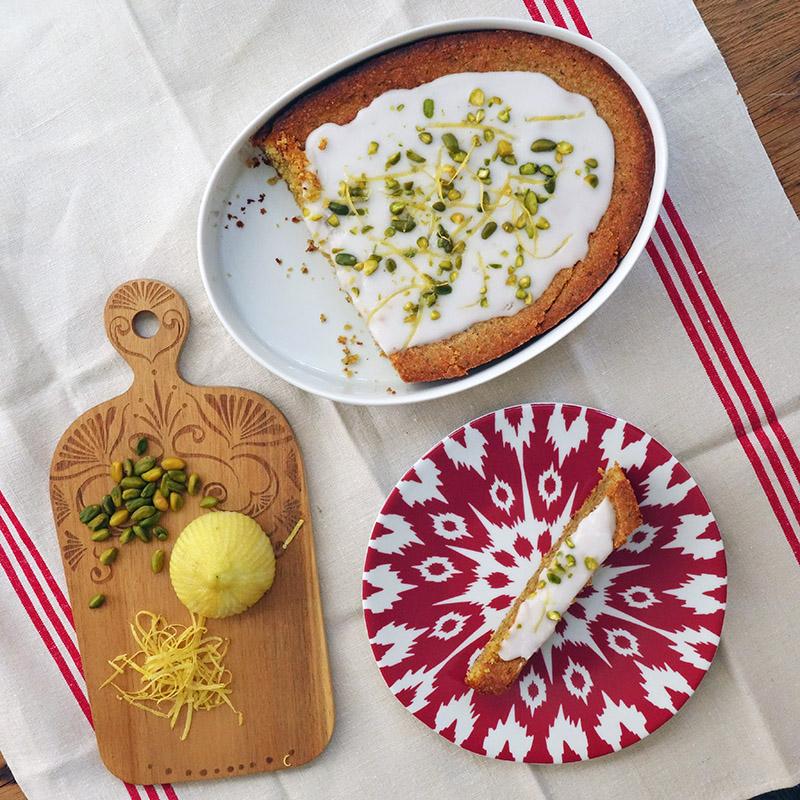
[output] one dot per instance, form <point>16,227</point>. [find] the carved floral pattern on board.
<point>218,432</point>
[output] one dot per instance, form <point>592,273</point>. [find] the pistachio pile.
<point>144,489</point>
<point>511,202</point>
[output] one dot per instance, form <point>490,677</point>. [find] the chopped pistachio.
<point>488,229</point>
<point>450,142</point>
<point>543,145</point>
<point>338,208</point>
<point>504,148</point>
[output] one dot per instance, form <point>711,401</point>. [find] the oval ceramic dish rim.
<point>206,257</point>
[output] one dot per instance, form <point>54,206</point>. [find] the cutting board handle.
<point>158,353</point>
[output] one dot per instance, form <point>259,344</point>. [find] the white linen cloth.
<point>112,116</point>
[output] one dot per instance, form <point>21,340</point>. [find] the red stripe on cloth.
<point>555,13</point>
<point>37,557</point>
<point>705,280</point>
<point>44,634</point>
<point>151,792</point>
<point>580,25</point>
<point>728,367</point>
<point>724,397</point>
<point>733,337</point>
<point>49,643</point>
<point>536,15</point>
<point>49,611</point>
<point>41,629</point>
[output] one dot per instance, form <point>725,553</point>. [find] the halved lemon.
<point>222,564</point>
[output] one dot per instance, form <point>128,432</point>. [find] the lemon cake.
<point>470,190</point>
<point>604,521</point>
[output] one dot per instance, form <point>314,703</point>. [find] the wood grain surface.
<point>246,454</point>
<point>759,41</point>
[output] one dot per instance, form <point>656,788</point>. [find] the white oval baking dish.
<point>254,274</point>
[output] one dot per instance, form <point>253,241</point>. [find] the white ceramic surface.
<point>273,309</point>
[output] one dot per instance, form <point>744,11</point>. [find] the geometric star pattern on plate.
<point>467,528</point>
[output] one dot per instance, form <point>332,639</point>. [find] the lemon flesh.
<point>222,564</point>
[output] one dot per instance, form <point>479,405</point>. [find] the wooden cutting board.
<point>246,454</point>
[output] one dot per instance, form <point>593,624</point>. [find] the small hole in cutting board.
<point>145,324</point>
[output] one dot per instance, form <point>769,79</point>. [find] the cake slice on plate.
<point>603,523</point>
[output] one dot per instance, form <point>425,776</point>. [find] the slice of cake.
<point>470,190</point>
<point>604,521</point>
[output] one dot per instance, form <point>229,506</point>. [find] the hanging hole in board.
<point>145,324</point>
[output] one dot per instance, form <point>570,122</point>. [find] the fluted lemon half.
<point>222,564</point>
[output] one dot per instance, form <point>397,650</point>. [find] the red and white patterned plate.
<point>458,538</point>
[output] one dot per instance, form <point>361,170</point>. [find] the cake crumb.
<point>262,210</point>
<point>323,318</point>
<point>348,326</point>
<point>311,247</point>
<point>389,390</point>
<point>279,261</point>
<point>304,269</point>
<point>323,143</point>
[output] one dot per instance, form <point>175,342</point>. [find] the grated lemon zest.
<point>180,669</point>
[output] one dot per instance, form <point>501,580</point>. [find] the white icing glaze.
<point>593,538</point>
<point>573,211</point>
